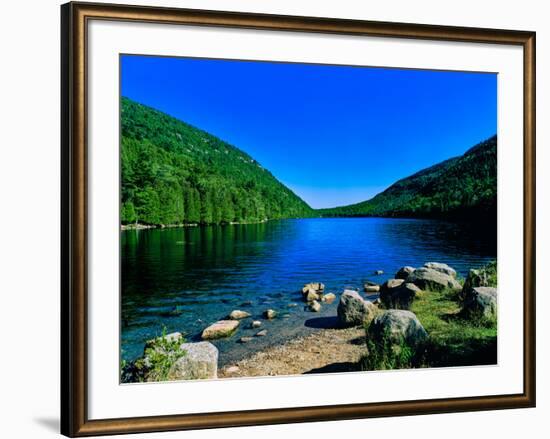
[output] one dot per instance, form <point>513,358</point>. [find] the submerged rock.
<point>245,339</point>
<point>379,272</point>
<point>404,272</point>
<point>353,310</point>
<point>399,326</point>
<point>443,268</point>
<point>174,312</point>
<point>481,302</point>
<point>200,362</point>
<point>262,333</point>
<point>220,329</point>
<point>432,280</point>
<point>238,314</point>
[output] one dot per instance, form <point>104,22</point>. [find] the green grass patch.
<point>453,340</point>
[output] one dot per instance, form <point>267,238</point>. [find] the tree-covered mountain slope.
<point>174,173</point>
<point>458,188</point>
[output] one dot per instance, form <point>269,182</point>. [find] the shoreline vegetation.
<point>423,317</point>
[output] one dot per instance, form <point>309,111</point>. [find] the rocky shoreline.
<point>360,328</point>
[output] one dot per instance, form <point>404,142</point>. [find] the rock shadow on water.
<point>323,323</point>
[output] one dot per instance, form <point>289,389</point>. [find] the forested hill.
<point>174,173</point>
<point>463,187</point>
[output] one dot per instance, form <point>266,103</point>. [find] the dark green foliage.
<point>458,188</point>
<point>173,173</point>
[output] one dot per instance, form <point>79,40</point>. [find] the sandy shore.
<point>327,350</point>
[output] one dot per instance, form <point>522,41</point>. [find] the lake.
<point>209,271</point>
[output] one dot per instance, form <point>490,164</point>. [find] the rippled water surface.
<point>206,272</point>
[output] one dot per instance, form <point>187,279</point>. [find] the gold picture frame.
<point>74,393</point>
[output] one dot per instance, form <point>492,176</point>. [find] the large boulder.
<point>399,326</point>
<point>481,302</point>
<point>200,362</point>
<point>404,272</point>
<point>220,329</point>
<point>433,280</point>
<point>400,297</point>
<point>353,310</point>
<point>443,268</point>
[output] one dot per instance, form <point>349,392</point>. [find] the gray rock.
<point>353,310</point>
<point>400,297</point>
<point>262,333</point>
<point>238,314</point>
<point>220,329</point>
<point>476,278</point>
<point>245,339</point>
<point>399,326</point>
<point>315,306</point>
<point>391,284</point>
<point>432,280</point>
<point>404,272</point>
<point>270,314</point>
<point>200,362</point>
<point>256,324</point>
<point>329,298</point>
<point>443,268</point>
<point>481,302</point>
<point>372,288</point>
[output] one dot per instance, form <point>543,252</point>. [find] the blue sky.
<point>335,135</point>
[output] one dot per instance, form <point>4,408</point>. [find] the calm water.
<point>209,271</point>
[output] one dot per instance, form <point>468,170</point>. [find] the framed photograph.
<point>272,219</point>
